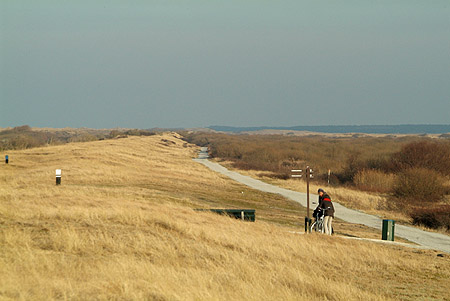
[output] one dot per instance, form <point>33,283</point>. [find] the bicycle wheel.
<point>320,228</point>
<point>313,227</point>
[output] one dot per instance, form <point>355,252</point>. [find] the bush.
<point>23,137</point>
<point>279,154</point>
<point>424,154</point>
<point>419,185</point>
<point>374,180</point>
<point>83,138</point>
<point>435,218</point>
<point>132,132</point>
<point>352,167</point>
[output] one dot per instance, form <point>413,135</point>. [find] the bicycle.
<point>317,226</point>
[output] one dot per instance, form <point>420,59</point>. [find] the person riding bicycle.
<point>328,210</point>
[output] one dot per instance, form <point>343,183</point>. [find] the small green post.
<point>387,232</point>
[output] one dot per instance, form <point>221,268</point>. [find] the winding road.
<point>426,239</point>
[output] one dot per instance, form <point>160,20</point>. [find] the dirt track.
<point>430,240</point>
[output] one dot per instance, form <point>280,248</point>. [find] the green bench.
<point>243,214</point>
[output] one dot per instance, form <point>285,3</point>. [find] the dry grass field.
<point>121,227</point>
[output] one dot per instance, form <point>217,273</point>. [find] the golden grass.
<point>374,180</point>
<point>121,226</point>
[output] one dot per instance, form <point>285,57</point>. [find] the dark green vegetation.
<point>414,171</point>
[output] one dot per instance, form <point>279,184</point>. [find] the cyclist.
<point>328,209</point>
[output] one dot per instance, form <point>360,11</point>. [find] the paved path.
<point>427,239</point>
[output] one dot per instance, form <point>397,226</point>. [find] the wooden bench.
<point>243,214</point>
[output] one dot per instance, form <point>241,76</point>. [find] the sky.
<point>171,64</point>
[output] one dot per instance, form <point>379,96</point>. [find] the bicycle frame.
<point>317,226</point>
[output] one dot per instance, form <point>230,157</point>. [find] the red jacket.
<point>326,204</point>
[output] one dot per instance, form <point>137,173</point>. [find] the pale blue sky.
<point>145,64</point>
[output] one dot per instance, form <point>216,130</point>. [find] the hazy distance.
<point>144,64</point>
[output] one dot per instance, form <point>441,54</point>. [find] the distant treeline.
<point>443,129</point>
<point>23,137</point>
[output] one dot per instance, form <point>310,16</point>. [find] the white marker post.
<point>58,177</point>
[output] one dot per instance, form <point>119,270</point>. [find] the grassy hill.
<point>122,226</point>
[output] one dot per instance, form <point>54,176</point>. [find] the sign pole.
<point>308,173</point>
<point>309,176</point>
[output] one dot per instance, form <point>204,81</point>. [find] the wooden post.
<point>309,175</point>
<point>307,191</point>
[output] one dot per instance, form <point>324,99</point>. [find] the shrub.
<point>435,218</point>
<point>22,128</point>
<point>352,167</point>
<point>374,180</point>
<point>288,152</point>
<point>137,132</point>
<point>424,154</point>
<point>23,137</point>
<point>419,185</point>
<point>132,132</point>
<point>83,138</point>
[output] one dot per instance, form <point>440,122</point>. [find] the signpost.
<point>298,173</point>
<point>308,177</point>
<point>58,177</point>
